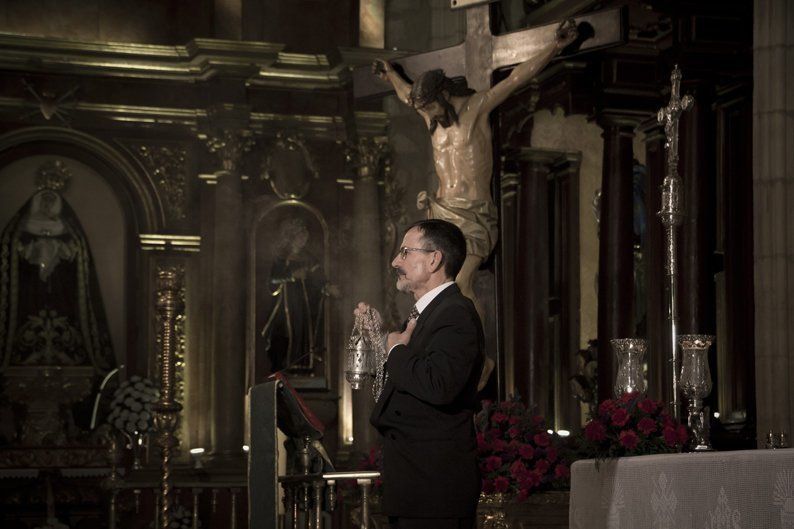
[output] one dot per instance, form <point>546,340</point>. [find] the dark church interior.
<point>194,195</point>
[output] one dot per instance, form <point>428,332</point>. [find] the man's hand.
<point>566,34</point>
<point>382,69</point>
<point>361,309</point>
<point>402,338</point>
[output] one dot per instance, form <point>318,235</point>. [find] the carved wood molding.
<point>166,165</point>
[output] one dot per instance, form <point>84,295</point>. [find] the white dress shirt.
<point>425,300</point>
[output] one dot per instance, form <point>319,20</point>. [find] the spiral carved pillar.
<point>166,411</point>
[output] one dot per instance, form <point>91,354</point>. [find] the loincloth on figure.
<point>477,219</point>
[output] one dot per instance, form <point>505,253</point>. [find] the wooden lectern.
<point>275,405</point>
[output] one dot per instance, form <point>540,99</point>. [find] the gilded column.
<point>228,298</point>
<point>615,256</point>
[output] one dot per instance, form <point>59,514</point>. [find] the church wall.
<point>100,214</point>
<point>574,133</point>
<point>420,26</point>
<point>330,24</point>
<point>407,25</point>
<point>306,25</point>
<point>773,226</point>
<point>144,21</point>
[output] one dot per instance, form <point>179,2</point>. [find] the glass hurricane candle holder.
<point>629,353</point>
<point>695,384</point>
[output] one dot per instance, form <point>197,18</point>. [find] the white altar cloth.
<point>748,489</point>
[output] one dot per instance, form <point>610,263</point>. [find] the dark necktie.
<point>414,314</point>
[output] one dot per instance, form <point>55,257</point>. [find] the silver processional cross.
<point>481,53</point>
<point>672,215</point>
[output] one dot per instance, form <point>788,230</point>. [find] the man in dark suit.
<point>430,473</point>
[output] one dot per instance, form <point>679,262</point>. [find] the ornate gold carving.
<point>171,243</point>
<point>167,166</point>
<point>367,155</point>
<point>52,457</point>
<point>180,335</point>
<point>51,105</point>
<point>53,175</point>
<point>500,511</point>
<point>48,339</point>
<point>43,390</point>
<point>167,409</point>
<point>199,60</point>
<point>229,145</point>
<point>371,123</point>
<point>289,151</point>
<point>114,481</point>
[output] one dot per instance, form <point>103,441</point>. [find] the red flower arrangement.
<point>631,425</point>
<point>516,454</point>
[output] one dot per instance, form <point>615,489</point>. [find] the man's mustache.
<point>399,272</point>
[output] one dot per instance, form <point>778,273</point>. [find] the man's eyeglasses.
<point>404,251</point>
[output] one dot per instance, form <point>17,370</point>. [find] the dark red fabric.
<point>310,417</point>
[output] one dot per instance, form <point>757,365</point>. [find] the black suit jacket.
<point>425,413</point>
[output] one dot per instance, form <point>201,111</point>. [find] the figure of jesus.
<point>462,146</point>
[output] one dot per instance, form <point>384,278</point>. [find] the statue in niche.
<point>51,310</point>
<point>294,334</point>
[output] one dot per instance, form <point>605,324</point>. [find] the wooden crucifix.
<point>482,53</point>
<point>457,117</point>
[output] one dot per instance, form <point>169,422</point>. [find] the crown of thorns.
<point>428,86</point>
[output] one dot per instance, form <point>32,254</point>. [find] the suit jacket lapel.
<point>388,390</point>
<point>423,317</point>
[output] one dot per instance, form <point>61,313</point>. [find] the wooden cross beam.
<point>477,57</point>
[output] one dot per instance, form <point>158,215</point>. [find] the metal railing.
<point>304,494</point>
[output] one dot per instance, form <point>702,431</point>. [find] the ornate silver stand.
<point>672,215</point>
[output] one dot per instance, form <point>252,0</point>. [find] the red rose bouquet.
<point>516,453</point>
<point>631,425</point>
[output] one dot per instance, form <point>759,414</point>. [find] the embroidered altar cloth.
<point>747,489</point>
